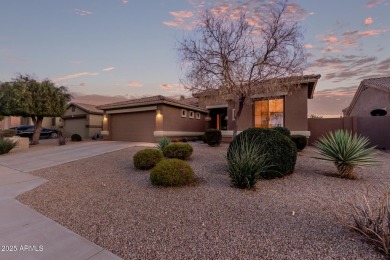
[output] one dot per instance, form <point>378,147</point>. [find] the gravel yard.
<point>106,200</point>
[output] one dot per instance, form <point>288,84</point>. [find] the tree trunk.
<point>37,120</point>
<point>241,102</point>
<point>346,170</point>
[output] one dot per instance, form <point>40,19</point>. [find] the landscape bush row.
<point>172,171</point>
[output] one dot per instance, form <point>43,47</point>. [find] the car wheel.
<point>54,135</point>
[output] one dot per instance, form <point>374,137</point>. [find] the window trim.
<point>191,114</point>
<point>197,115</point>
<point>183,113</point>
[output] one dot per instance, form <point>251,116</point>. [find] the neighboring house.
<point>279,108</point>
<point>148,119</point>
<point>372,94</point>
<point>83,119</point>
<point>9,121</point>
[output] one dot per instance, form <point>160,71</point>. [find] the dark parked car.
<point>28,131</point>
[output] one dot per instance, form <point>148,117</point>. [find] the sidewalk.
<point>26,234</point>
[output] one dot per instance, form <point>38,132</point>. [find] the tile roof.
<point>87,107</point>
<point>378,83</point>
<point>148,101</point>
<point>381,83</point>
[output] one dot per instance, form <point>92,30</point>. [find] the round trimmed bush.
<point>146,159</point>
<point>280,151</point>
<point>283,130</point>
<point>178,150</point>
<point>213,137</point>
<point>300,141</point>
<point>75,138</point>
<point>172,172</point>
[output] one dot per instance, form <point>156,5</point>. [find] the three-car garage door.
<point>133,127</point>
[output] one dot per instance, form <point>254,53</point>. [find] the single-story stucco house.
<point>372,95</point>
<point>148,119</point>
<point>266,110</point>
<point>82,119</point>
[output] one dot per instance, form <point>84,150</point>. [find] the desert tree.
<point>233,58</point>
<point>28,97</point>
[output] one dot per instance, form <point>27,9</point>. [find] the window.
<point>191,114</point>
<point>183,113</point>
<point>73,108</point>
<point>53,121</point>
<point>197,115</point>
<point>269,113</point>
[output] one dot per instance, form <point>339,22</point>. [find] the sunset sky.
<point>127,47</point>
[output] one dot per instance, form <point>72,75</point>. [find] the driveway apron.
<point>26,234</point>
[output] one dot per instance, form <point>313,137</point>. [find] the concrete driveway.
<point>26,234</point>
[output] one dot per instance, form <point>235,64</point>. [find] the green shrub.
<point>163,142</point>
<point>178,150</point>
<point>346,151</point>
<point>300,141</point>
<point>281,151</point>
<point>203,138</point>
<point>75,138</point>
<point>6,145</point>
<point>172,172</point>
<point>7,133</point>
<point>147,158</point>
<point>213,137</point>
<point>283,130</point>
<point>248,160</point>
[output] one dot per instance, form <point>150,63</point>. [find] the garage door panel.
<point>134,127</point>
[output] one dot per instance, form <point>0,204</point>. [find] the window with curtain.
<point>269,113</point>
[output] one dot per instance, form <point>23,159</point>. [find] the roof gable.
<point>90,109</point>
<point>377,83</point>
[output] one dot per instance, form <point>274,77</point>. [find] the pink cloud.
<point>308,46</point>
<point>172,88</point>
<point>182,19</point>
<point>76,75</point>
<point>368,21</point>
<point>108,69</point>
<point>135,84</point>
<point>256,10</point>
<point>125,1</point>
<point>374,3</point>
<point>82,12</point>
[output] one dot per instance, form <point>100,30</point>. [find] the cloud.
<point>17,60</point>
<point>348,39</point>
<point>82,12</point>
<point>173,88</point>
<point>76,75</point>
<point>368,21</point>
<point>309,46</point>
<point>108,69</point>
<point>135,84</point>
<point>181,20</point>
<point>125,1</point>
<point>374,3</point>
<point>256,10</point>
<point>347,67</point>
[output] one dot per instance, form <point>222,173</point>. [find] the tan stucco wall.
<point>369,100</point>
<point>95,124</point>
<point>172,120</point>
<point>295,110</point>
<point>85,127</point>
<point>321,126</point>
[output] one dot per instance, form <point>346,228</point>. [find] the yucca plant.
<point>346,151</point>
<point>162,143</point>
<point>247,161</point>
<point>6,145</point>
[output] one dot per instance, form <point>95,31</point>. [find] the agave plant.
<point>163,142</point>
<point>347,151</point>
